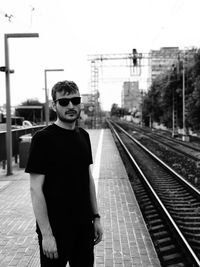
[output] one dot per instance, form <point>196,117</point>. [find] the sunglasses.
<point>65,101</point>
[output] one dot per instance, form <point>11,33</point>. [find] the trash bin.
<point>24,145</point>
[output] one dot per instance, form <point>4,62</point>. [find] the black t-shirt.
<point>63,156</point>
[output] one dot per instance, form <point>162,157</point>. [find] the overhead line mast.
<point>130,60</point>
<point>135,61</point>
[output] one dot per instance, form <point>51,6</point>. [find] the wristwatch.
<point>96,216</point>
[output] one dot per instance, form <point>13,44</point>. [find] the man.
<point>62,187</point>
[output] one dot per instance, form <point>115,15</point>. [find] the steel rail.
<point>175,141</point>
<point>156,197</point>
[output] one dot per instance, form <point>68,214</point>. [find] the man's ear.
<point>53,104</point>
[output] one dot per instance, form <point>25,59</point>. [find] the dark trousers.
<point>76,248</point>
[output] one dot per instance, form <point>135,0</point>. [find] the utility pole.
<point>7,71</point>
<point>47,95</point>
<point>131,60</point>
<point>174,102</point>
<point>141,92</point>
<point>183,97</point>
<point>185,136</point>
<point>173,114</point>
<point>94,92</point>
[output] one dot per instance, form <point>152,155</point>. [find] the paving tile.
<point>128,238</point>
<point>126,242</point>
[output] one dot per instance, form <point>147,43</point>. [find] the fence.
<point>15,140</point>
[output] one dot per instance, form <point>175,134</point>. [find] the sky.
<point>71,30</point>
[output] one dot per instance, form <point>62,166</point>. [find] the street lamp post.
<point>8,106</point>
<point>46,94</point>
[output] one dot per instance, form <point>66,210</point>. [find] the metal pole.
<point>47,95</point>
<point>46,99</point>
<point>8,110</point>
<point>173,104</point>
<point>173,114</point>
<point>21,35</point>
<point>184,130</point>
<point>141,108</point>
<point>8,105</point>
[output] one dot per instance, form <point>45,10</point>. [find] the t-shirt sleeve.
<point>37,155</point>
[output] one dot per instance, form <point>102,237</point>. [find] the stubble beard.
<point>65,120</point>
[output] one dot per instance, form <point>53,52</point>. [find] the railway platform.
<point>126,241</point>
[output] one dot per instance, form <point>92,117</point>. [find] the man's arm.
<point>41,214</point>
<point>98,230</point>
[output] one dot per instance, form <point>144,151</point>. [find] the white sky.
<point>70,30</point>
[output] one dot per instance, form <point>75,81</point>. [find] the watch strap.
<point>96,216</point>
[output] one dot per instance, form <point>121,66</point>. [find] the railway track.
<point>190,150</point>
<point>170,205</point>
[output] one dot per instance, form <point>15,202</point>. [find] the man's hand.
<point>98,231</point>
<point>49,247</point>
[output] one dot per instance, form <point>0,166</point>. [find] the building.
<point>130,96</point>
<point>32,113</point>
<point>162,60</point>
<point>86,98</point>
<point>88,104</point>
<point>91,114</point>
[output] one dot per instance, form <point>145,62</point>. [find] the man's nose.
<point>70,104</point>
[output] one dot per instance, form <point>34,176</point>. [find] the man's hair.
<point>65,86</point>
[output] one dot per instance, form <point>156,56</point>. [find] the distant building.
<point>90,103</point>
<point>86,98</point>
<point>130,96</point>
<point>162,60</point>
<point>91,114</point>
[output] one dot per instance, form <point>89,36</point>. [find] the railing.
<point>16,133</point>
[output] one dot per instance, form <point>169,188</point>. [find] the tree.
<point>193,106</point>
<point>166,91</point>
<point>118,112</point>
<point>114,110</point>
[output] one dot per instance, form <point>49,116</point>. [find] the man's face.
<point>67,111</point>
